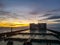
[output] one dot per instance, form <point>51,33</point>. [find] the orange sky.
<point>12,25</point>
<point>18,24</point>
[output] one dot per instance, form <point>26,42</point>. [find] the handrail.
<point>11,33</point>
<point>56,32</point>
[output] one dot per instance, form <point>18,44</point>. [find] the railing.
<point>57,34</point>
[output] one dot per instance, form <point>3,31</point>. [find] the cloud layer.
<point>29,10</point>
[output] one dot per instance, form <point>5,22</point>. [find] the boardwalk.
<point>34,37</point>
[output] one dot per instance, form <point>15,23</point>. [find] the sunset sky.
<point>29,11</point>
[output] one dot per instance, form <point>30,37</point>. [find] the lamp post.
<point>11,25</point>
<point>11,29</point>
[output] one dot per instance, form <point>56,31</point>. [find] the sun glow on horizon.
<point>13,24</point>
<point>24,23</point>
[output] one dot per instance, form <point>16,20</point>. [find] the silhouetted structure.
<point>42,27</point>
<point>33,26</point>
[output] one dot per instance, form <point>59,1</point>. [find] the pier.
<point>43,36</point>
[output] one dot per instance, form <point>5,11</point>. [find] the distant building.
<point>42,27</point>
<point>33,26</point>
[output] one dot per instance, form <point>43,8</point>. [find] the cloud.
<point>4,12</point>
<point>33,13</point>
<point>53,14</point>
<point>11,16</point>
<point>47,14</point>
<point>55,10</point>
<point>57,21</point>
<point>6,15</point>
<point>53,17</point>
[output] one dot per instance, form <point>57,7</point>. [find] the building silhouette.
<point>40,26</point>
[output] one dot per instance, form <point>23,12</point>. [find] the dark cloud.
<point>53,17</point>
<point>55,10</point>
<point>8,15</point>
<point>51,12</point>
<point>33,13</point>
<point>4,14</point>
<point>47,14</point>
<point>57,21</point>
